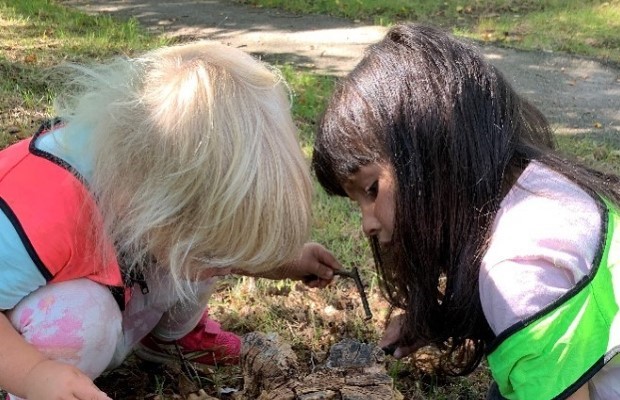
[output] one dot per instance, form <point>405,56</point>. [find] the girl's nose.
<point>370,224</point>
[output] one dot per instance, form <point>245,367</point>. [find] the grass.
<point>589,28</point>
<point>592,149</point>
<point>310,92</point>
<point>36,35</point>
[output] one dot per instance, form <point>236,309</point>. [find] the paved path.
<point>579,96</point>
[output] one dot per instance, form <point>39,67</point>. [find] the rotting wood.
<point>352,371</point>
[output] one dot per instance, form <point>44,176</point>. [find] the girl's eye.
<point>373,189</point>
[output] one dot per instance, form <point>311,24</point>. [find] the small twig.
<point>354,273</point>
<point>191,372</point>
<point>312,358</point>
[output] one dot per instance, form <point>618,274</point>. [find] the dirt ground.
<point>578,96</point>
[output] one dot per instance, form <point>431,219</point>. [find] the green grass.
<point>38,34</point>
<point>589,28</point>
<point>310,93</point>
<point>37,25</point>
<point>593,149</point>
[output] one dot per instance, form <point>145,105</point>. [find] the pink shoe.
<point>206,344</point>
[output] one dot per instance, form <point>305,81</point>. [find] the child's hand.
<point>391,336</point>
<point>315,266</point>
<point>52,380</point>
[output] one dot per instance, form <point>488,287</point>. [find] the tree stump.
<point>352,371</point>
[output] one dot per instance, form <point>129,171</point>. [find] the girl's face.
<point>372,188</point>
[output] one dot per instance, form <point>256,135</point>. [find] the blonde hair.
<point>196,159</point>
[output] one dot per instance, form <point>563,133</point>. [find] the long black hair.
<point>456,136</point>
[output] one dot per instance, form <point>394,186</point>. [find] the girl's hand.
<point>53,380</point>
<point>315,267</point>
<point>392,335</point>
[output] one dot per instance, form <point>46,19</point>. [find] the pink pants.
<point>79,322</point>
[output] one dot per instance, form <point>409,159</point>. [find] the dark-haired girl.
<point>491,242</point>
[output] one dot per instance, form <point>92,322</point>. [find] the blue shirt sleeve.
<point>19,276</point>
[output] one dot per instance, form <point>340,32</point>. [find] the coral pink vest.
<point>53,213</point>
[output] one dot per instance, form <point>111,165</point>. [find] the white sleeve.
<point>544,240</point>
<point>513,290</point>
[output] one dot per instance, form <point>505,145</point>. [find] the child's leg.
<point>77,322</point>
<point>183,316</point>
<point>160,313</point>
<point>182,326</point>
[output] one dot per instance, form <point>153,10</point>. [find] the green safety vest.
<point>556,351</point>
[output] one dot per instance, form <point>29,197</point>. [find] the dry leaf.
<point>30,58</point>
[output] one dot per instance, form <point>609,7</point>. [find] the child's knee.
<point>77,322</point>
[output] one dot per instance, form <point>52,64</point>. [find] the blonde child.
<point>492,243</point>
<point>163,172</point>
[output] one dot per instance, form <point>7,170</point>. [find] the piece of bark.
<point>352,371</point>
<point>267,363</point>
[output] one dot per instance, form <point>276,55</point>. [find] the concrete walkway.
<point>579,96</point>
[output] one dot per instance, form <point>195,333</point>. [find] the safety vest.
<point>53,213</point>
<point>556,351</point>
